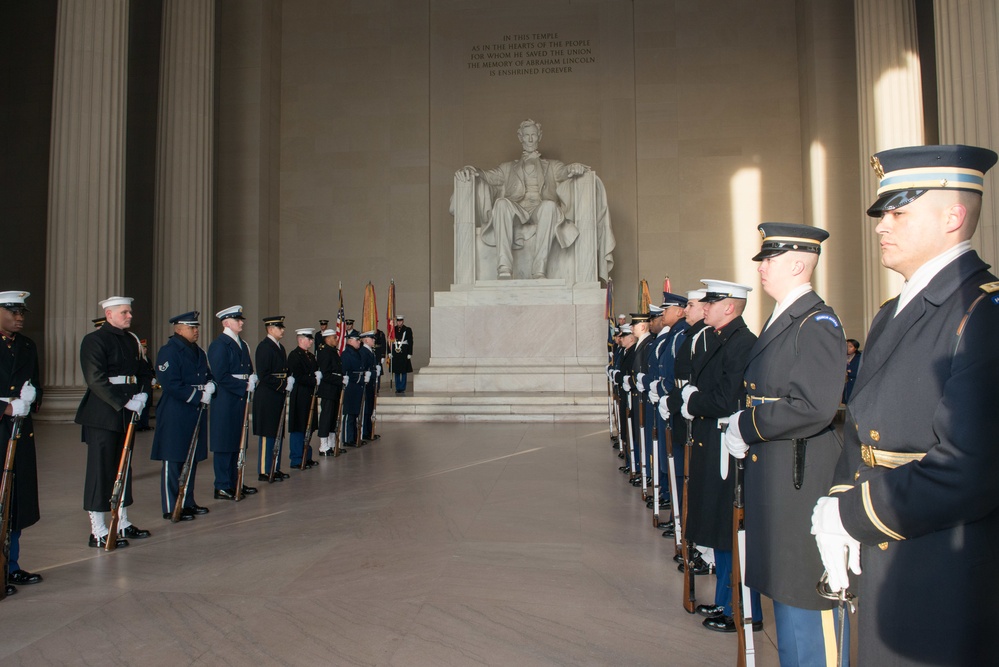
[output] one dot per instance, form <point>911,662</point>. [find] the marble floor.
<point>440,544</point>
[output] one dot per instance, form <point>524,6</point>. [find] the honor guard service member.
<point>713,393</point>
<point>303,366</point>
<point>372,369</point>
<point>118,386</point>
<point>640,330</point>
<point>402,354</point>
<point>622,385</point>
<point>232,370</point>
<point>915,499</point>
<point>642,379</point>
<point>269,398</point>
<point>20,394</point>
<point>793,383</point>
<point>330,388</point>
<point>353,388</point>
<point>181,414</point>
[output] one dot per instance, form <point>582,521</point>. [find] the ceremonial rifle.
<point>185,472</point>
<point>671,474</point>
<point>118,491</point>
<point>689,600</point>
<point>276,457</point>
<point>655,469</point>
<point>337,437</point>
<point>308,428</point>
<point>742,608</point>
<point>6,488</point>
<point>359,422</point>
<point>643,469</point>
<point>631,436</point>
<point>243,441</point>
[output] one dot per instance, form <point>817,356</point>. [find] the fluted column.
<point>182,276</point>
<point>967,39</point>
<point>891,115</point>
<point>86,215</point>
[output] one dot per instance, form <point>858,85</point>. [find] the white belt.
<point>7,400</point>
<point>244,376</point>
<point>123,379</point>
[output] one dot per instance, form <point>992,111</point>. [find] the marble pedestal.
<point>518,336</point>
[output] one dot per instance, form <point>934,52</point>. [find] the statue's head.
<point>529,134</point>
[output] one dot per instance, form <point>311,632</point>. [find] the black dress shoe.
<point>328,452</point>
<point>225,494</point>
<point>376,436</point>
<point>22,578</point>
<point>11,590</point>
<point>282,475</point>
<point>678,558</point>
<point>710,610</point>
<point>134,533</point>
<point>101,542</point>
<point>311,464</point>
<point>184,516</point>
<point>720,623</point>
<point>698,566</point>
<point>249,490</point>
<point>623,468</point>
<point>197,509</point>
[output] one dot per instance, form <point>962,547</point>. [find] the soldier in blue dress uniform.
<point>914,498</point>
<point>304,367</point>
<point>353,377</point>
<point>232,370</point>
<point>271,362</point>
<point>182,371</point>
<point>372,368</point>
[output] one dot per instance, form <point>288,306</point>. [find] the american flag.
<point>341,325</point>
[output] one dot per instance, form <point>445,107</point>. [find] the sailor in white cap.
<point>232,370</point>
<point>303,366</point>
<point>118,384</point>
<point>330,387</point>
<point>20,394</point>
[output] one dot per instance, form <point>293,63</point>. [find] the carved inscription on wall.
<point>533,53</point>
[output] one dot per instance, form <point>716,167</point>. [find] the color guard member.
<point>302,366</point>
<point>269,398</point>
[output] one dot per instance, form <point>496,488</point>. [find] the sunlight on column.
<point>746,211</point>
<point>820,205</point>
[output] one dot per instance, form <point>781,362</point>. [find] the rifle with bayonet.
<point>118,490</point>
<point>276,456</point>
<point>308,429</point>
<point>689,599</point>
<point>185,472</point>
<point>243,442</point>
<point>6,489</point>
<point>742,608</point>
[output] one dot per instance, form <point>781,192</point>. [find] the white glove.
<point>654,391</point>
<point>640,381</point>
<point>626,383</point>
<point>664,410</point>
<point>137,402</point>
<point>378,371</point>
<point>367,376</point>
<point>19,407</point>
<point>290,383</point>
<point>409,356</point>
<point>836,547</point>
<point>206,396</point>
<point>732,438</point>
<point>251,382</point>
<point>686,393</point>
<point>28,392</point>
<point>319,377</point>
<point>346,380</point>
<point>610,372</point>
<point>209,388</point>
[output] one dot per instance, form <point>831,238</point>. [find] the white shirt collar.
<point>231,334</point>
<point>791,297</point>
<point>927,272</point>
<point>276,341</point>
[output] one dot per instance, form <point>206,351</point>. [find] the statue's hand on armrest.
<point>577,169</point>
<point>466,174</point>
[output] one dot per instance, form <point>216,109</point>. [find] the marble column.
<point>891,115</point>
<point>86,218</point>
<point>182,259</point>
<point>967,39</point>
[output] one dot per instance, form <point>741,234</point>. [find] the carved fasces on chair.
<point>582,246</point>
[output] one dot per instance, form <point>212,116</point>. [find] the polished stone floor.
<point>440,544</point>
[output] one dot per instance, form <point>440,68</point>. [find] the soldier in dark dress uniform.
<point>20,393</point>
<point>402,354</point>
<point>269,398</point>
<point>713,393</point>
<point>793,390</point>
<point>622,386</point>
<point>118,386</point>
<point>639,357</point>
<point>330,387</point>
<point>914,497</point>
<point>353,377</point>
<point>303,366</point>
<point>369,360</point>
<point>232,371</point>
<point>182,370</point>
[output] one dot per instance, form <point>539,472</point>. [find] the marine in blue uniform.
<point>232,370</point>
<point>182,371</point>
<point>118,386</point>
<point>271,362</point>
<point>792,386</point>
<point>369,359</point>
<point>353,377</point>
<point>20,394</point>
<point>303,366</point>
<point>914,497</point>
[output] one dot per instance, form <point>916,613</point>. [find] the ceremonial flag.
<point>390,312</point>
<point>609,316</point>
<point>666,286</point>
<point>369,315</point>
<point>341,325</point>
<point>644,299</point>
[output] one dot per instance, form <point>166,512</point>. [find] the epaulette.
<point>885,302</point>
<point>989,288</point>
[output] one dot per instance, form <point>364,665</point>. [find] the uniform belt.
<point>241,376</point>
<point>123,379</point>
<point>873,456</point>
<point>752,401</point>
<point>279,376</point>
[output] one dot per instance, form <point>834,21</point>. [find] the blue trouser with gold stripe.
<point>808,637</point>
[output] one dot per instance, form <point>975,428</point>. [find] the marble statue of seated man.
<point>526,203</point>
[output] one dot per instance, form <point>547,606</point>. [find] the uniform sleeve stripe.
<point>840,488</point>
<point>865,491</point>
<point>755,427</point>
<point>193,392</point>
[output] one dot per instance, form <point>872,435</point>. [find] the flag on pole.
<point>609,316</point>
<point>644,300</point>
<point>666,286</point>
<point>369,315</point>
<point>390,312</point>
<point>341,325</point>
